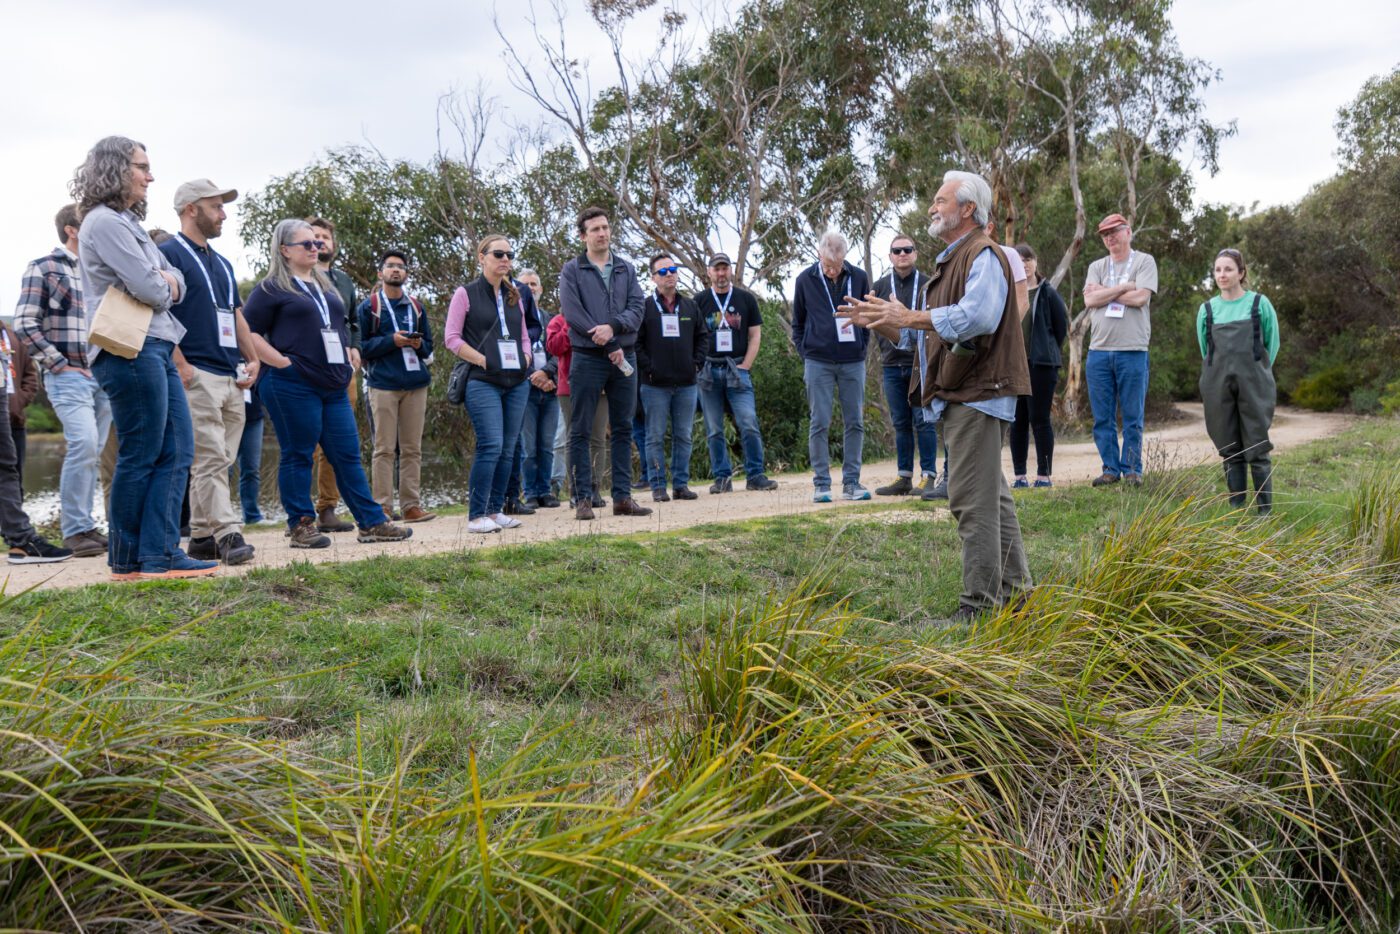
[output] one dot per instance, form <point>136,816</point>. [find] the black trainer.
<point>203,549</point>
<point>38,551</point>
<point>234,550</point>
<point>760,482</point>
<point>722,485</point>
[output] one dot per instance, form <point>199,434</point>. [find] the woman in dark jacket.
<point>1044,328</point>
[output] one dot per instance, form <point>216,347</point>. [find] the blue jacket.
<point>384,362</point>
<point>813,321</point>
<point>586,302</point>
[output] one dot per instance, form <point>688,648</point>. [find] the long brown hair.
<point>512,293</point>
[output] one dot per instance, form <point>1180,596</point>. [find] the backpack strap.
<point>1258,329</point>
<point>1210,334</point>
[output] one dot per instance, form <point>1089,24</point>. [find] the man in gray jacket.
<point>601,301</point>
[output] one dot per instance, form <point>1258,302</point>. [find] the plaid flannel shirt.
<point>50,317</point>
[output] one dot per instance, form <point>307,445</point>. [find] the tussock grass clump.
<point>1373,518</point>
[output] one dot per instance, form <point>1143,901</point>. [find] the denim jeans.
<point>824,382</point>
<point>155,447</point>
<point>589,376</point>
<point>721,382</point>
<point>249,464</point>
<point>673,407</point>
<point>496,413</point>
<point>82,406</point>
<point>537,436</point>
<point>909,425</point>
<point>305,416</point>
<point>639,437</point>
<point>1118,379</point>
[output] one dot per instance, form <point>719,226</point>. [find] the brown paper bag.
<point>120,324</point>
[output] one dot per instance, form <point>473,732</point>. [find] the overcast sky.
<point>244,92</point>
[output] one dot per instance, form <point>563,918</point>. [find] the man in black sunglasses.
<point>670,352</point>
<point>906,283</point>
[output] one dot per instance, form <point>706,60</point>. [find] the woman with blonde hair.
<point>486,328</point>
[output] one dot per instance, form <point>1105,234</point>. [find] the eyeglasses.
<point>499,254</point>
<point>308,244</point>
<point>902,250</point>
<point>395,266</point>
<point>143,166</point>
<point>666,271</point>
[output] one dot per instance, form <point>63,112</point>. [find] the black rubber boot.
<point>1237,480</point>
<point>1263,487</point>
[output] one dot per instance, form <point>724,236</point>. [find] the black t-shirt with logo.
<point>741,313</point>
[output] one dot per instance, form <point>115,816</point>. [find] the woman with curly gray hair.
<point>155,439</point>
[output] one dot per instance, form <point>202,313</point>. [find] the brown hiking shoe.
<point>328,521</point>
<point>305,535</point>
<point>1105,479</point>
<point>627,506</point>
<point>584,510</point>
<point>417,514</point>
<point>84,545</point>
<point>383,532</point>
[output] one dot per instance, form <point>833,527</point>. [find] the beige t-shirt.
<point>1132,330</point>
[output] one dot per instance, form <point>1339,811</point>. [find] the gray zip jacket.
<point>113,249</point>
<point>586,303</point>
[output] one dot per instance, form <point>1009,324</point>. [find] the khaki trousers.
<point>994,561</point>
<point>216,409</point>
<point>324,490</point>
<point>398,420</point>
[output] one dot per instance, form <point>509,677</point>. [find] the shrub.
<point>1325,390</point>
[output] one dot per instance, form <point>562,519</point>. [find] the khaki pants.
<point>597,441</point>
<point>324,490</point>
<point>216,409</point>
<point>994,561</point>
<point>398,419</point>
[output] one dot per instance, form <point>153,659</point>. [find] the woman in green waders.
<point>1238,332</point>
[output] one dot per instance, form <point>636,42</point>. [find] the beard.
<point>938,225</point>
<point>208,226</point>
<point>325,256</point>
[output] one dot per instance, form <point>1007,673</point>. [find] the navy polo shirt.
<point>195,310</point>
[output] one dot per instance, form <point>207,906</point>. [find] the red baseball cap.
<point>1112,221</point>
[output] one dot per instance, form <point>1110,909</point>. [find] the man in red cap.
<point>1118,293</point>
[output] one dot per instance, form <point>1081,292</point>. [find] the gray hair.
<point>972,188</point>
<point>527,271</point>
<point>105,177</point>
<point>833,245</point>
<point>278,271</point>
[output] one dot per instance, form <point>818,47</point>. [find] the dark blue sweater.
<point>384,362</point>
<point>813,320</point>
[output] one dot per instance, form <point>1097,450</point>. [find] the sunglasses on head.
<point>308,244</point>
<point>665,271</point>
<point>500,254</point>
<point>902,250</point>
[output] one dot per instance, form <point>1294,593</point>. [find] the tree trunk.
<point>1074,364</point>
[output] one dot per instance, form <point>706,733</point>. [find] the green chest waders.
<point>1237,387</point>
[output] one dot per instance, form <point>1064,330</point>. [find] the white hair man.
<point>833,359</point>
<point>968,378</point>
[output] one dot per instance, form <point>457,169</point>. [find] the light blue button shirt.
<point>977,313</point>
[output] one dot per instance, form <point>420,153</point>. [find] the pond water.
<point>444,480</point>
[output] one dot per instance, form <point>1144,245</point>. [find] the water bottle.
<point>625,367</point>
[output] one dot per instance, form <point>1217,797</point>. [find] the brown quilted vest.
<point>998,367</point>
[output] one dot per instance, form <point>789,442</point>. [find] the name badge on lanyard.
<point>410,355</point>
<point>845,330</point>
<point>509,350</point>
<point>670,323</point>
<point>228,333</point>
<point>1116,309</point>
<point>724,337</point>
<point>330,337</point>
<point>9,375</point>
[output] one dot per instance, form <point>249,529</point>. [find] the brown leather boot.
<point>328,521</point>
<point>627,506</point>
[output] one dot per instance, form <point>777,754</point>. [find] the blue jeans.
<point>909,425</point>
<point>720,382</point>
<point>496,413</point>
<point>591,375</point>
<point>673,407</point>
<point>249,464</point>
<point>639,436</point>
<point>824,381</point>
<point>82,406</point>
<point>1118,379</point>
<point>304,415</point>
<point>537,436</point>
<point>155,447</point>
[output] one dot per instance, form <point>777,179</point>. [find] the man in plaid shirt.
<point>52,321</point>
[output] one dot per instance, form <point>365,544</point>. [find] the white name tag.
<point>410,359</point>
<point>510,355</point>
<point>228,334</point>
<point>1115,310</point>
<point>248,396</point>
<point>670,325</point>
<point>845,331</point>
<point>335,350</point>
<point>724,341</point>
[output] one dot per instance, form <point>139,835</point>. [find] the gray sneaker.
<point>939,490</point>
<point>855,492</point>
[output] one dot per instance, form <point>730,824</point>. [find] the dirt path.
<point>1180,444</point>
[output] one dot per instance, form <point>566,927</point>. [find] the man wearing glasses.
<point>670,352</point>
<point>326,494</point>
<point>906,284</point>
<point>216,362</point>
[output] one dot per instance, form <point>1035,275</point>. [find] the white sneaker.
<point>504,521</point>
<point>482,525</point>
